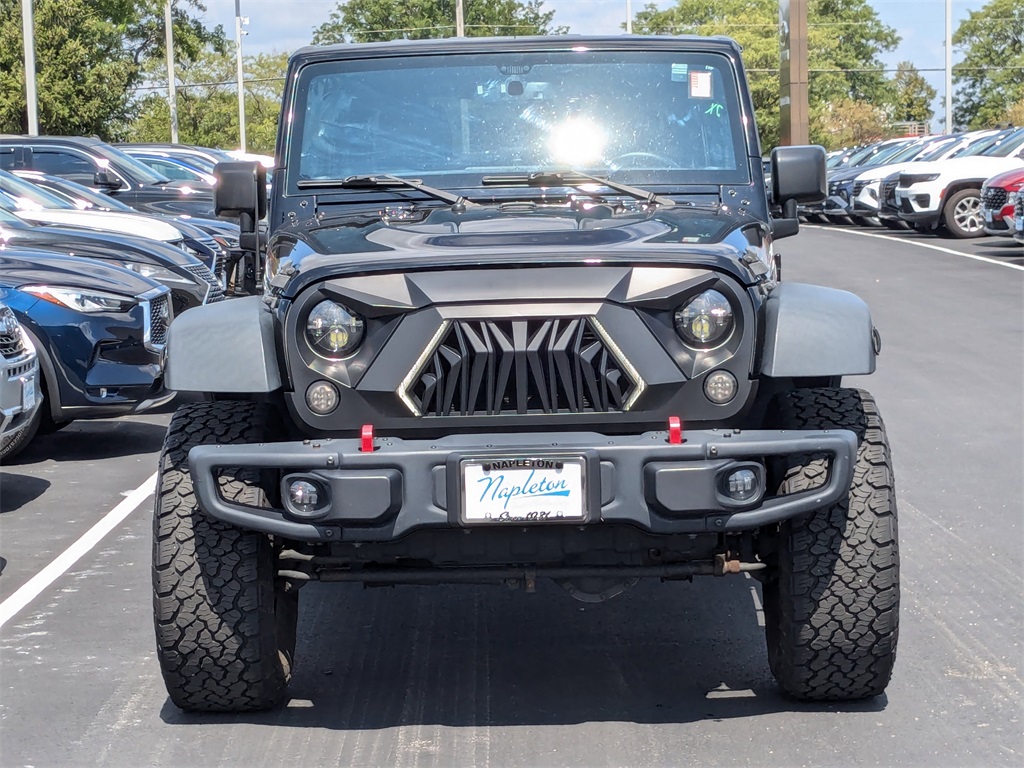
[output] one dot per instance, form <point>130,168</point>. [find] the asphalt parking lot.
<point>669,674</point>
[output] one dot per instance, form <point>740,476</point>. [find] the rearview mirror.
<point>241,193</point>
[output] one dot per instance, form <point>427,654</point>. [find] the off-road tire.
<point>831,599</point>
<point>963,215</point>
<point>225,626</point>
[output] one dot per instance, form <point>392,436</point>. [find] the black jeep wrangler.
<point>522,318</point>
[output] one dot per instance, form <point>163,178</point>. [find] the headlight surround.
<point>156,272</point>
<point>82,300</point>
<point>333,330</point>
<point>705,321</point>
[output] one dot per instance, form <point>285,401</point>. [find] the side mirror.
<point>798,174</point>
<point>241,193</point>
<point>107,180</point>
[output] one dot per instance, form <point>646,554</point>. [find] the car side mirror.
<point>241,193</point>
<point>107,180</point>
<point>798,174</point>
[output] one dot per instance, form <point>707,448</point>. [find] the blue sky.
<point>283,25</point>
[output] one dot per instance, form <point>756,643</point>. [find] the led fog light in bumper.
<point>304,497</point>
<point>720,387</point>
<point>322,397</point>
<point>743,483</point>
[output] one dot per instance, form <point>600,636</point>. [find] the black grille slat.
<point>521,366</point>
<point>11,342</point>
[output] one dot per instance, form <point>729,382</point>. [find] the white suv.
<point>948,193</point>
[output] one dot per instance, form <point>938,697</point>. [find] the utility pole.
<point>949,66</point>
<point>239,21</point>
<point>172,93</point>
<point>793,99</point>
<point>629,17</point>
<point>29,38</point>
<point>460,20</point>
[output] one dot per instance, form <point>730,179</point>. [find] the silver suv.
<point>19,384</point>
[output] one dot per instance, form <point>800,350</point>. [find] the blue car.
<point>99,333</point>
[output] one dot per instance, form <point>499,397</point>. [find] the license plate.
<point>28,394</point>
<point>988,215</point>
<point>523,490</point>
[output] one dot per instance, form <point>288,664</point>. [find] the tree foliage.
<point>90,55</point>
<point>912,95</point>
<point>363,21</point>
<point>990,77</point>
<point>853,122</point>
<point>845,38</point>
<point>207,102</point>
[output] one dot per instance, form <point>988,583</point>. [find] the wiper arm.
<point>574,179</point>
<point>386,180</point>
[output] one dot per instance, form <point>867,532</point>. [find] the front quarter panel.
<point>223,347</point>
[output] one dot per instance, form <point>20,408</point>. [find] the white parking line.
<point>922,245</point>
<point>31,589</point>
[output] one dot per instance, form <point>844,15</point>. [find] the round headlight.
<point>333,330</point>
<point>705,320</point>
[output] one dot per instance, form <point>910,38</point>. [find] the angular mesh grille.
<point>994,198</point>
<point>525,366</point>
<point>216,293</point>
<point>158,315</point>
<point>11,342</point>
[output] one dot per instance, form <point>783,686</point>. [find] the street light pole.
<point>629,17</point>
<point>949,66</point>
<point>29,38</point>
<point>460,19</point>
<point>241,90</point>
<point>172,94</point>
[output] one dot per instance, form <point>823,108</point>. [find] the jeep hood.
<point>511,236</point>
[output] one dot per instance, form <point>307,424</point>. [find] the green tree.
<point>845,38</point>
<point>990,77</point>
<point>207,102</point>
<point>363,21</point>
<point>912,95</point>
<point>90,55</point>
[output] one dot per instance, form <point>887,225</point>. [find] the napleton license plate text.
<point>503,490</point>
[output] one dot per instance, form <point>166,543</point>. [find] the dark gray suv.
<point>522,319</point>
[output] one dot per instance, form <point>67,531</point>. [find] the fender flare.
<point>811,331</point>
<point>223,347</point>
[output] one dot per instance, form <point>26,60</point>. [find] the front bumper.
<point>638,480</point>
<point>20,395</point>
<point>920,203</point>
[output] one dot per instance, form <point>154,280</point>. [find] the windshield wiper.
<point>386,180</point>
<point>573,179</point>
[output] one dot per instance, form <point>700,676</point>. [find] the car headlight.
<point>705,321</point>
<point>907,179</point>
<point>82,300</point>
<point>333,330</point>
<point>157,273</point>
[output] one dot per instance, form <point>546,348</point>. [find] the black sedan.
<point>99,332</point>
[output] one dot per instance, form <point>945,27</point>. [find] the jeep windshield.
<point>645,118</point>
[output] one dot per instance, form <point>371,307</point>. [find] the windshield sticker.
<point>680,72</point>
<point>700,85</point>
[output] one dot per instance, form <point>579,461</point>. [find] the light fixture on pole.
<point>239,22</point>
<point>172,93</point>
<point>29,38</point>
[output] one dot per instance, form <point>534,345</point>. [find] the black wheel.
<point>963,216</point>
<point>831,601</point>
<point>225,625</point>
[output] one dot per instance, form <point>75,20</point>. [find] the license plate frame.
<point>28,393</point>
<point>523,489</point>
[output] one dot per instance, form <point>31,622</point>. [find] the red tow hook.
<point>675,430</point>
<point>366,438</point>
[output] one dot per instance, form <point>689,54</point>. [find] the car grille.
<point>889,192</point>
<point>858,187</point>
<point>159,312</point>
<point>523,366</point>
<point>12,343</point>
<point>215,292</point>
<point>994,198</point>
